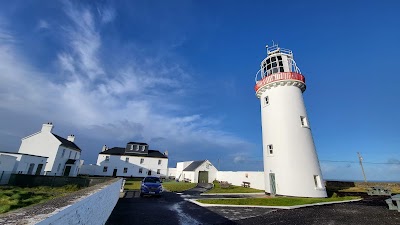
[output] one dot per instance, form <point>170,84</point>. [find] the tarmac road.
<point>170,208</point>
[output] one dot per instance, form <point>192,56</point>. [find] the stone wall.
<point>92,205</point>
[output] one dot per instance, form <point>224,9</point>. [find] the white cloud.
<point>136,102</point>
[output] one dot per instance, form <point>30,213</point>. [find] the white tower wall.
<point>291,165</point>
<point>294,160</point>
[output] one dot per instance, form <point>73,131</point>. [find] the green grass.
<point>276,201</point>
<point>232,189</point>
<point>131,184</point>
<point>16,197</point>
<point>178,186</point>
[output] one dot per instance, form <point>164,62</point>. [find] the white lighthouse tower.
<point>291,164</point>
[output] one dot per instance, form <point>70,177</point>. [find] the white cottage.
<point>63,154</point>
<point>202,171</point>
<point>19,163</point>
<point>135,160</point>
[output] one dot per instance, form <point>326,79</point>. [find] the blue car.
<point>151,186</point>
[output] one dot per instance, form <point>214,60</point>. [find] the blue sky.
<point>179,75</point>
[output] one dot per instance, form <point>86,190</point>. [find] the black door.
<point>67,170</point>
<point>115,172</point>
<point>39,169</point>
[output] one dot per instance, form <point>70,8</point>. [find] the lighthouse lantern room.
<point>291,164</point>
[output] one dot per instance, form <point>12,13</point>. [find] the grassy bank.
<point>232,189</point>
<point>15,197</point>
<point>277,201</point>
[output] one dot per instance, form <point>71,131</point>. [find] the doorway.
<point>203,177</point>
<point>67,170</point>
<point>30,170</point>
<point>39,169</point>
<point>115,172</point>
<point>272,184</point>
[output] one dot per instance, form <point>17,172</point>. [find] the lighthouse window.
<point>281,69</point>
<point>317,181</point>
<point>273,59</point>
<point>268,61</point>
<point>270,149</point>
<point>304,122</point>
<point>274,64</point>
<point>279,57</point>
<point>266,101</point>
<point>280,63</point>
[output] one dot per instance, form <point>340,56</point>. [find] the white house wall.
<point>206,166</point>
<point>256,179</point>
<point>22,162</point>
<point>59,162</point>
<point>119,162</point>
<point>42,144</point>
<point>172,172</point>
<point>180,166</point>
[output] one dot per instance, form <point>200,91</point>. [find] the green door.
<point>272,184</point>
<point>203,177</point>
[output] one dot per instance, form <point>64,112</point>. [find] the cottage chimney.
<point>166,153</point>
<point>104,148</point>
<point>47,127</point>
<point>71,138</point>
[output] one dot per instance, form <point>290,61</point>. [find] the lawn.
<point>16,197</point>
<point>276,201</point>
<point>232,189</point>
<point>134,184</point>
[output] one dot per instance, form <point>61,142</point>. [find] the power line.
<point>343,161</point>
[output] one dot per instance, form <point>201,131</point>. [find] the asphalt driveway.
<point>173,209</point>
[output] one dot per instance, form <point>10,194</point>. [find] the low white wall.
<point>92,209</point>
<point>92,205</point>
<point>256,179</point>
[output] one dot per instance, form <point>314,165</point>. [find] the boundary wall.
<point>256,178</point>
<point>92,205</point>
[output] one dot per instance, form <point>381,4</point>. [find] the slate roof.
<point>121,151</point>
<point>66,143</point>
<point>138,143</point>
<point>193,166</point>
<point>24,154</point>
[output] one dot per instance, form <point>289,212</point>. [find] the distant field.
<point>15,197</point>
<point>276,201</point>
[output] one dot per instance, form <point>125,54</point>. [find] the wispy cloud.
<point>43,24</point>
<point>136,101</point>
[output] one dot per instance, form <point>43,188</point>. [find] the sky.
<point>179,75</point>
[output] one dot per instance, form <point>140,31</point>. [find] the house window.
<point>63,153</point>
<point>266,101</point>
<point>131,147</point>
<point>158,171</point>
<point>126,159</point>
<point>304,122</point>
<point>140,170</point>
<point>107,158</point>
<point>270,149</point>
<point>141,161</point>
<point>159,162</point>
<point>105,169</point>
<point>317,181</point>
<point>149,172</point>
<point>125,170</point>
<point>59,167</point>
<point>143,148</point>
<point>76,153</point>
<point>70,152</point>
<point>137,147</point>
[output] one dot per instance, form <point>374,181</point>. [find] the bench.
<point>225,184</point>
<point>390,202</point>
<point>379,191</point>
<point>246,184</point>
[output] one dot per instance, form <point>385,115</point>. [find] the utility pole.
<point>362,168</point>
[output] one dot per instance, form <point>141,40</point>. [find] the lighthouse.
<point>291,164</point>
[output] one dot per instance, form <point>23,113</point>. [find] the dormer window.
<point>143,148</point>
<point>131,147</point>
<point>137,147</point>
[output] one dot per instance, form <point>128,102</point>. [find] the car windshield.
<point>151,180</point>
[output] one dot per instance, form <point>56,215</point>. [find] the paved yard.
<point>172,208</point>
